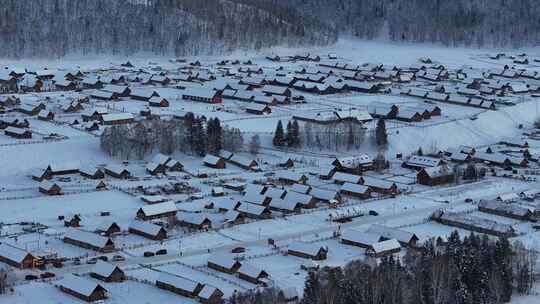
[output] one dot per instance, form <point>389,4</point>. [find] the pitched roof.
<point>104,269</point>
<point>224,260</point>
<point>385,246</point>
<point>159,208</point>
<point>87,237</point>
<point>354,188</point>
<point>80,285</point>
<point>307,248</point>
<point>148,228</point>
<point>367,238</point>
<point>12,253</point>
<point>178,282</point>
<point>392,233</point>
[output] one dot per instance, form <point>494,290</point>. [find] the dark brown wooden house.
<point>107,272</point>
<point>82,288</point>
<point>16,257</point>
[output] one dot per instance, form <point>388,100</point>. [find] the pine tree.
<point>420,152</point>
<point>200,139</point>
<point>189,121</point>
<point>308,134</point>
<point>379,162</point>
<point>289,137</point>
<point>381,136</point>
<point>214,133</point>
<point>279,135</point>
<point>254,144</point>
<point>470,173</point>
<point>350,136</point>
<point>295,128</point>
<point>312,289</point>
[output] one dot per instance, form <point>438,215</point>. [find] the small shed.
<point>49,188</point>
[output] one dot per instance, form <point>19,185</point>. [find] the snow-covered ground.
<point>187,249</point>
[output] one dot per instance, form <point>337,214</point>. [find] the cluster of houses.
<point>220,161</point>
<point>228,264</point>
<point>378,240</point>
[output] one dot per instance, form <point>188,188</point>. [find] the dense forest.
<point>473,270</point>
<point>54,28</point>
<point>457,22</point>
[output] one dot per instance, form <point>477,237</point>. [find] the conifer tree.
<point>279,135</point>
<point>381,136</point>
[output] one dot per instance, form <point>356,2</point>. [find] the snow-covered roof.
<point>153,166</point>
<point>385,246</point>
<point>290,175</point>
<point>295,197</point>
<point>227,203</point>
<point>253,188</point>
<point>392,233</point>
<point>275,192</point>
<point>306,248</point>
<point>178,282</point>
<point>161,159</point>
<point>250,270</point>
<point>87,237</point>
<point>439,170</point>
<point>346,177</point>
<point>154,199</point>
<point>199,92</point>
<point>192,218</point>
<point>254,197</point>
<point>304,189</point>
<point>207,291</point>
<point>508,197</point>
<point>47,185</point>
<point>118,89</point>
<point>354,188</point>
<point>104,269</point>
<point>224,260</point>
<point>281,204</point>
<point>476,221</point>
<point>271,89</point>
<point>251,208</point>
<point>89,170</point>
<point>117,116</point>
<point>102,94</point>
<point>423,161</point>
<point>146,227</point>
<point>211,159</point>
<point>12,253</point>
<point>360,237</point>
<point>159,208</point>
<point>323,194</point>
<point>502,207</point>
<point>14,130</point>
<point>80,285</point>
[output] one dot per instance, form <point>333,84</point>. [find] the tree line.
<point>336,136</point>
<point>475,270</point>
<point>194,135</point>
<point>55,28</point>
<point>452,23</point>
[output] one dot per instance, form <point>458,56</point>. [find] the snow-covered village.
<point>193,180</point>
